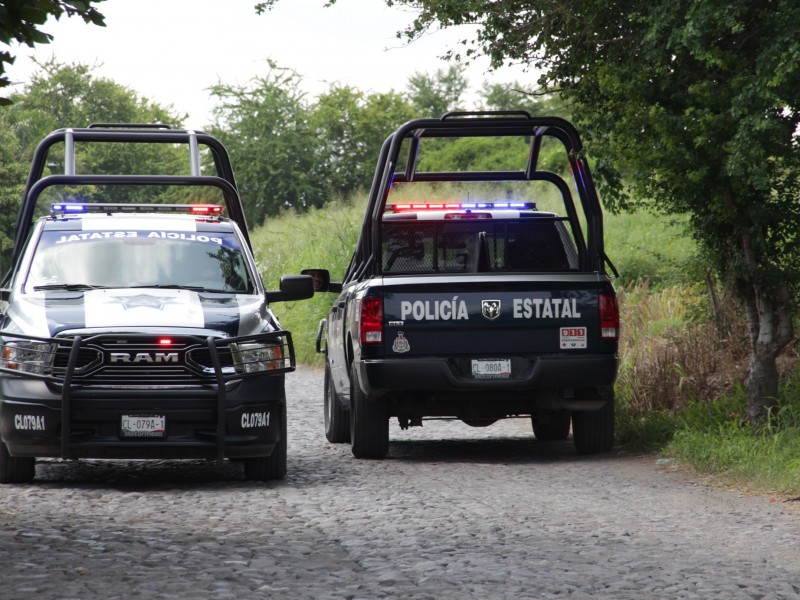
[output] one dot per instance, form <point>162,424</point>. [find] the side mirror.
<point>322,280</point>
<point>5,296</point>
<point>293,287</point>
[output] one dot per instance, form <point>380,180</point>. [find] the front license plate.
<point>483,368</point>
<point>143,426</point>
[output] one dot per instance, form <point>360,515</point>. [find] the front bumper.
<point>32,422</point>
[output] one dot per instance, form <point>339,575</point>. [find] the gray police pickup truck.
<point>140,330</point>
<point>477,293</point>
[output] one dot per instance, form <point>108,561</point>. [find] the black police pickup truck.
<point>140,330</point>
<point>477,293</point>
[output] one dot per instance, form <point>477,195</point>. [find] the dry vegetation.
<point>683,347</point>
<point>674,351</point>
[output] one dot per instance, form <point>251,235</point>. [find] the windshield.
<point>139,258</point>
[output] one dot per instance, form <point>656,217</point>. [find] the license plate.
<point>147,426</point>
<point>483,368</point>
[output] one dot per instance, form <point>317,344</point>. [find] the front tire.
<point>337,420</point>
<point>369,423</point>
<point>267,468</point>
<point>16,469</point>
<point>593,431</point>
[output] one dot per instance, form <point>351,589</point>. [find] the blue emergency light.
<point>421,206</point>
<point>73,208</point>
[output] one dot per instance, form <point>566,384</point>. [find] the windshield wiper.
<point>191,288</point>
<point>69,287</point>
<point>167,286</point>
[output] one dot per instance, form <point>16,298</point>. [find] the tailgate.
<point>493,316</point>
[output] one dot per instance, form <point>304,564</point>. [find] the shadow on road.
<point>319,465</point>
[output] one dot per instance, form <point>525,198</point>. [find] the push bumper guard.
<point>232,359</point>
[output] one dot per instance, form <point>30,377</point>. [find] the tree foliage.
<point>265,127</point>
<point>68,95</point>
<point>435,94</point>
<point>351,125</point>
<point>12,172</point>
<point>291,152</point>
<point>20,21</point>
<point>693,103</point>
<point>60,95</point>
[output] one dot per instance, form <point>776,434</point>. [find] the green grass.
<point>644,246</point>
<point>714,438</point>
<point>320,238</point>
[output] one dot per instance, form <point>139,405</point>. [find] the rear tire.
<point>593,431</point>
<point>267,468</point>
<point>337,419</point>
<point>16,469</point>
<point>554,428</point>
<point>369,423</point>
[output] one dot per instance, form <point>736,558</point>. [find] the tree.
<point>434,95</point>
<point>693,103</point>
<point>68,95</point>
<point>20,21</point>
<point>351,126</point>
<point>516,96</point>
<point>265,128</point>
<point>12,174</point>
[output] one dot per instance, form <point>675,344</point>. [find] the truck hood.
<point>49,313</point>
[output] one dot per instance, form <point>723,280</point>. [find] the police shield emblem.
<point>490,309</point>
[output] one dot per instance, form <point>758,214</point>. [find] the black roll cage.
<point>223,178</point>
<point>366,259</point>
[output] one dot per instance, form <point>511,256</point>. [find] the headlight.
<point>253,357</point>
<point>28,357</point>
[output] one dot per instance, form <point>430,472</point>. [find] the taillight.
<point>609,317</point>
<point>372,320</point>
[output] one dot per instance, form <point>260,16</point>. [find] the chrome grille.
<point>140,361</point>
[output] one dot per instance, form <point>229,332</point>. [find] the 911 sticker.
<point>572,338</point>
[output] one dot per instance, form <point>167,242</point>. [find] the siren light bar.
<point>74,208</point>
<point>417,206</point>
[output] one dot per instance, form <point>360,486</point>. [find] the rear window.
<point>539,244</point>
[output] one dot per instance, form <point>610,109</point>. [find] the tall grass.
<point>320,238</point>
<point>648,247</point>
<point>713,437</point>
<point>673,354</point>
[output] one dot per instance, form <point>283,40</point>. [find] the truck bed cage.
<point>366,259</point>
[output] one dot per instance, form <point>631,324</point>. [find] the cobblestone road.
<point>453,512</point>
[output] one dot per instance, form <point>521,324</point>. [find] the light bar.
<point>72,208</point>
<point>206,209</point>
<point>417,206</point>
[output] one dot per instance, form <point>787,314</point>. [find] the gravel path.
<point>454,512</point>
